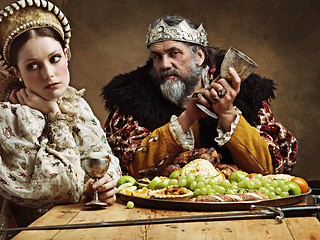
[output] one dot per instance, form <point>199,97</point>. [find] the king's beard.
<point>177,89</point>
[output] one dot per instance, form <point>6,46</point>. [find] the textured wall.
<point>281,36</point>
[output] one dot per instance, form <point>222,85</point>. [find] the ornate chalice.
<point>95,168</point>
<point>241,63</point>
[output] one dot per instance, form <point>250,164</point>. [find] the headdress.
<point>24,15</point>
<point>181,32</point>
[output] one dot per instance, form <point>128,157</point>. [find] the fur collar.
<point>135,94</point>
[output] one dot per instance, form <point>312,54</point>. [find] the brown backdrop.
<point>281,36</point>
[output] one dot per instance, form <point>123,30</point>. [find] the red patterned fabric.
<point>125,135</point>
<point>283,146</point>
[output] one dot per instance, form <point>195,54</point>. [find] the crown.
<point>181,32</point>
<point>24,15</point>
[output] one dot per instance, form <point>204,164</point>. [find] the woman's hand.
<point>24,96</point>
<point>106,188</point>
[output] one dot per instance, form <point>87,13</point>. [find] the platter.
<point>210,206</point>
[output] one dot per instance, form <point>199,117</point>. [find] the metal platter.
<point>210,206</point>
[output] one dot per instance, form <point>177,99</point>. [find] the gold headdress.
<point>181,32</point>
<point>24,15</point>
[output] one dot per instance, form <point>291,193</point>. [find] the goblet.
<point>241,63</point>
<point>95,168</point>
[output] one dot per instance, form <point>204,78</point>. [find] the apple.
<point>237,176</point>
<point>126,179</point>
<point>294,188</point>
<point>163,184</point>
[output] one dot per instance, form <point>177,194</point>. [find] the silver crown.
<point>181,32</point>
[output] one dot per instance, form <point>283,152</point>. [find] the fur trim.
<point>135,94</point>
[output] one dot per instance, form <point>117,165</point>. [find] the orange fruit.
<point>301,183</point>
<point>127,192</point>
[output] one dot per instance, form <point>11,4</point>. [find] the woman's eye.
<point>32,66</point>
<point>55,59</point>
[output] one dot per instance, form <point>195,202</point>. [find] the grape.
<point>262,190</point>
<point>257,183</point>
<point>251,185</point>
<point>203,191</point>
<point>208,187</point>
<point>259,176</point>
<point>219,189</point>
<point>271,189</point>
<point>241,184</point>
<point>278,191</point>
<point>264,181</point>
<point>241,190</point>
<point>282,184</point>
<point>231,191</point>
<point>202,179</point>
<point>182,182</point>
<point>197,192</point>
<point>225,183</point>
<point>212,182</point>
<point>200,184</point>
<point>284,194</point>
<point>272,195</point>
<point>130,204</point>
<point>173,182</point>
<point>210,191</point>
<point>237,176</point>
<point>193,185</point>
<point>190,179</point>
<point>246,180</point>
<point>274,183</point>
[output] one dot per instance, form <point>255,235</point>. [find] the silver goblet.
<point>95,168</point>
<point>241,63</point>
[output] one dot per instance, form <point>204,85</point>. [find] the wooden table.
<point>290,228</point>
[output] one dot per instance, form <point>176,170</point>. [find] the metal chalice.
<point>241,63</point>
<point>95,168</point>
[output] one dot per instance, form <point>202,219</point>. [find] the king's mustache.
<point>168,73</point>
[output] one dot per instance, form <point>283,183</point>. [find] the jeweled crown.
<point>24,15</point>
<point>181,32</point>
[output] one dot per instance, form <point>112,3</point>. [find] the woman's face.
<point>43,67</point>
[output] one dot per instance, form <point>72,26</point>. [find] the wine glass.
<point>241,63</point>
<point>95,168</point>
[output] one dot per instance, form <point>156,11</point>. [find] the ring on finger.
<point>222,92</point>
<point>196,96</point>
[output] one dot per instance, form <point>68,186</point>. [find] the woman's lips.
<point>53,86</point>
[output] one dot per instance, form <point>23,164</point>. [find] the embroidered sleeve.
<point>185,140</point>
<point>137,147</point>
<point>282,144</point>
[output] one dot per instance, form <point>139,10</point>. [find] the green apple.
<point>294,188</point>
<point>154,182</point>
<point>126,179</point>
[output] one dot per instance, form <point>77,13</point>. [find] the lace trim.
<point>223,136</point>
<point>186,140</point>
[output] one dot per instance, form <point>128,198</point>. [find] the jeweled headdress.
<point>181,32</point>
<point>24,15</point>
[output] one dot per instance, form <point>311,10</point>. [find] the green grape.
<point>210,191</point>
<point>237,176</point>
<point>225,183</point>
<point>202,179</point>
<point>262,190</point>
<point>197,192</point>
<point>282,184</point>
<point>175,174</point>
<point>267,185</point>
<point>219,189</point>
<point>241,190</point>
<point>231,191</point>
<point>278,190</point>
<point>251,185</point>
<point>173,182</point>
<point>257,183</point>
<point>265,181</point>
<point>259,176</point>
<point>182,182</point>
<point>246,180</point>
<point>130,204</point>
<point>193,185</point>
<point>203,191</point>
<point>208,186</point>
<point>272,195</point>
<point>274,183</point>
<point>212,182</point>
<point>190,179</point>
<point>191,175</point>
<point>271,189</point>
<point>284,194</point>
<point>241,184</point>
<point>200,184</point>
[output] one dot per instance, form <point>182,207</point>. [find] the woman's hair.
<point>24,37</point>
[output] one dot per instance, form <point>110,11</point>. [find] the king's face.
<point>171,55</point>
